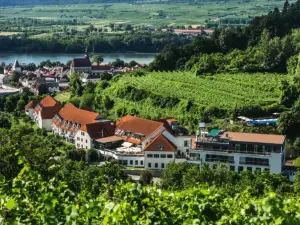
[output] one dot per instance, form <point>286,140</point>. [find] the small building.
<point>71,119</point>
<point>240,151</point>
<point>159,152</point>
<point>29,108</point>
<point>16,67</point>
<point>101,67</point>
<point>44,112</point>
<point>81,65</point>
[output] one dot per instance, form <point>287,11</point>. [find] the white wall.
<point>46,123</point>
<point>275,160</point>
<point>158,160</point>
<point>29,112</point>
<point>83,140</point>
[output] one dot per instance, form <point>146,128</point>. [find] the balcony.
<point>220,160</point>
<point>232,151</point>
<point>254,163</point>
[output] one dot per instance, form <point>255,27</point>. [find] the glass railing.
<point>254,163</point>
<point>232,151</point>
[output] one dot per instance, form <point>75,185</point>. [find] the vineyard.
<point>223,91</point>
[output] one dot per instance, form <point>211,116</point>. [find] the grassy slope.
<point>222,91</point>
<point>146,14</point>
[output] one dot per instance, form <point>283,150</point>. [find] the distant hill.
<point>65,2</point>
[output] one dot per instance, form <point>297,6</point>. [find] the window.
<point>156,165</point>
<point>186,144</point>
<point>249,168</point>
<point>150,155</point>
<point>131,162</point>
<point>85,141</point>
<point>149,165</point>
<point>78,139</point>
<point>162,165</point>
<point>241,168</point>
<point>237,147</point>
<point>156,155</point>
<point>82,133</point>
<point>81,140</point>
<point>170,156</point>
<point>142,162</point>
<point>136,162</point>
<point>125,162</point>
<point>163,156</point>
<point>160,147</point>
<point>232,168</point>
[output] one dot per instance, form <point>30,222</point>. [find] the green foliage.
<point>297,162</point>
<point>76,87</point>
<point>146,177</point>
<point>97,59</point>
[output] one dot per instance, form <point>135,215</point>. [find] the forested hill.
<point>65,2</point>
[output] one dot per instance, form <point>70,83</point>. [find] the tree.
<point>76,87</point>
<point>297,182</point>
<point>118,63</point>
<point>5,121</point>
<point>297,162</point>
<point>97,59</point>
<point>296,147</point>
<point>146,177</point>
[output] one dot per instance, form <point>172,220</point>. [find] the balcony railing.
<point>233,151</point>
<point>255,163</point>
<point>219,160</point>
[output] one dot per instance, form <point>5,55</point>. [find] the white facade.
<point>83,140</point>
<point>183,143</point>
<point>42,123</point>
<point>81,69</point>
<point>29,112</point>
<point>158,159</point>
<point>237,161</point>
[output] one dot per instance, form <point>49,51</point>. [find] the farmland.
<point>101,15</point>
<point>222,92</point>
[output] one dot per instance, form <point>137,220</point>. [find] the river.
<point>143,58</point>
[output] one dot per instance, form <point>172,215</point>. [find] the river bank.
<point>8,58</point>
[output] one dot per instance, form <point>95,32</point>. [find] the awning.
<point>109,139</point>
<point>214,132</point>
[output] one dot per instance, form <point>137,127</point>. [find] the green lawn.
<point>63,96</point>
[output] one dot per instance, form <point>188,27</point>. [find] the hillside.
<point>184,96</point>
<point>65,2</point>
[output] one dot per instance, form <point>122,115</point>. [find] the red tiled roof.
<point>74,115</point>
<point>48,107</point>
<point>48,101</point>
<point>136,125</point>
<point>158,142</point>
<point>31,105</point>
<point>255,138</point>
<point>110,139</point>
<point>82,62</point>
<point>99,129</point>
<point>186,31</point>
<point>101,66</point>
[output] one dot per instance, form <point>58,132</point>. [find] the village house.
<point>240,151</point>
<point>190,32</point>
<point>135,136</point>
<point>80,65</point>
<point>80,127</point>
<point>44,111</point>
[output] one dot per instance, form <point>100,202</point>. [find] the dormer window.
<point>138,136</point>
<point>127,133</point>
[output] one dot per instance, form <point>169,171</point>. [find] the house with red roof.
<point>44,111</point>
<point>80,127</point>
<point>81,65</point>
<point>29,108</point>
<point>139,142</point>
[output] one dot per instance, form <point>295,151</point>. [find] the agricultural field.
<point>101,15</point>
<point>223,91</point>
